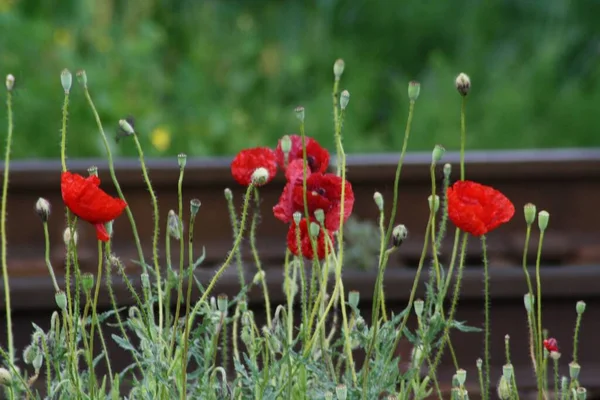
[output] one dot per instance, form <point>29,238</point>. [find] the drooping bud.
<point>529,211</point>
<point>61,300</point>
<point>93,170</point>
<point>434,203</point>
<point>344,99</point>
<point>87,281</point>
<point>580,307</point>
<point>258,277</point>
<point>399,234</point>
<point>174,225</point>
<point>463,84</point>
<point>354,298</point>
<point>543,218</point>
<point>419,305</point>
<point>414,88</point>
<point>30,353</point>
<point>299,113</point>
<point>82,78</point>
<point>222,303</point>
<point>10,82</point>
<point>5,377</point>
<point>37,361</point>
<point>194,207</point>
<point>228,194</point>
<point>181,160</point>
<point>461,376</point>
<point>66,79</point>
<point>297,216</point>
<point>42,208</point>
<point>341,391</point>
<point>126,127</point>
<point>314,229</point>
<point>320,216</point>
<point>378,198</point>
<point>338,68</point>
<point>260,176</point>
<point>529,301</point>
<point>437,154</point>
<point>504,391</point>
<point>574,369</point>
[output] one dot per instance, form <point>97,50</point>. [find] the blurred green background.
<point>212,77</point>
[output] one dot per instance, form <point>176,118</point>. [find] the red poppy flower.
<point>476,208</point>
<point>86,200</point>
<point>246,162</point>
<point>551,345</point>
<point>324,191</point>
<point>305,242</point>
<point>317,157</point>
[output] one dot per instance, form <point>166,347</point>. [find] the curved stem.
<point>47,257</point>
<point>254,250</point>
<point>486,292</point>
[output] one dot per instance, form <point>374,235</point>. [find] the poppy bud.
<point>344,99</point>
<point>529,301</point>
<point>173,225</point>
<point>5,377</point>
<point>93,171</point>
<point>353,298</point>
<point>437,154</point>
<point>529,210</point>
<point>61,300</point>
<point>338,68</point>
<point>42,208</point>
<point>581,393</point>
<point>320,216</point>
<point>434,203</point>
<point>10,82</point>
<point>508,371</point>
<point>299,113</point>
<point>260,176</point>
<point>419,305</point>
<point>66,79</point>
<point>461,376</point>
<point>543,218</point>
<point>447,170</point>
<point>314,229</point>
<point>504,391</point>
<point>341,392</point>
<point>222,303</point>
<point>555,355</point>
<point>399,234</point>
<point>37,361</point>
<point>195,206</point>
<point>414,88</point>
<point>82,78</point>
<point>228,194</point>
<point>30,353</point>
<point>297,217</point>
<point>378,200</point>
<point>479,363</point>
<point>580,307</point>
<point>574,369</point>
<point>181,160</point>
<point>126,127</point>
<point>258,277</point>
<point>87,281</point>
<point>463,84</point>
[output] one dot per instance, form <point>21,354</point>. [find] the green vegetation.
<point>214,77</point>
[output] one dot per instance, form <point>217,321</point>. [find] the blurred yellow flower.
<point>63,38</point>
<point>161,138</point>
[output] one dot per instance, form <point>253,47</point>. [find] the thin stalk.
<point>94,317</point>
<point>541,370</point>
<point>234,228</point>
<point>253,248</point>
<point>576,336</point>
<point>9,333</point>
<point>463,136</point>
<point>486,291</point>
<point>47,257</point>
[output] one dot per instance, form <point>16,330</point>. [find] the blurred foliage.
<point>211,77</point>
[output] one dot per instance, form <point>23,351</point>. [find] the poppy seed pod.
<point>61,300</point>
<point>414,89</point>
<point>181,160</point>
<point>299,113</point>
<point>341,391</point>
<point>195,206</point>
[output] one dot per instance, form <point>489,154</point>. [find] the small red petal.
<point>101,233</point>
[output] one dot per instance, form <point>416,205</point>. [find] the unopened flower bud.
<point>341,392</point>
<point>529,211</point>
<point>126,126</point>
<point>414,88</point>
<point>61,300</point>
<point>222,303</point>
<point>399,234</point>
<point>181,160</point>
<point>504,391</point>
<point>82,78</point>
<point>378,200</point>
<point>69,235</point>
<point>66,79</point>
<point>529,301</point>
<point>5,377</point>
<point>437,154</point>
<point>543,218</point>
<point>479,363</point>
<point>508,371</point>
<point>299,113</point>
<point>574,369</point>
<point>260,176</point>
<point>344,99</point>
<point>228,194</point>
<point>213,303</point>
<point>338,68</point>
<point>434,203</point>
<point>194,207</point>
<point>174,225</point>
<point>461,376</point>
<point>258,277</point>
<point>555,355</point>
<point>37,361</point>
<point>580,307</point>
<point>354,298</point>
<point>314,229</point>
<point>581,393</point>
<point>10,82</point>
<point>320,216</point>
<point>93,170</point>
<point>419,305</point>
<point>463,84</point>
<point>297,216</point>
<point>42,208</point>
<point>447,170</point>
<point>87,281</point>
<point>30,353</point>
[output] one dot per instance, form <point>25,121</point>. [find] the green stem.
<point>234,228</point>
<point>486,292</point>
<point>94,318</point>
<point>463,137</point>
<point>541,370</point>
<point>47,257</point>
<point>9,333</point>
<point>188,299</point>
<point>576,336</point>
<point>63,145</point>
<point>253,226</point>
